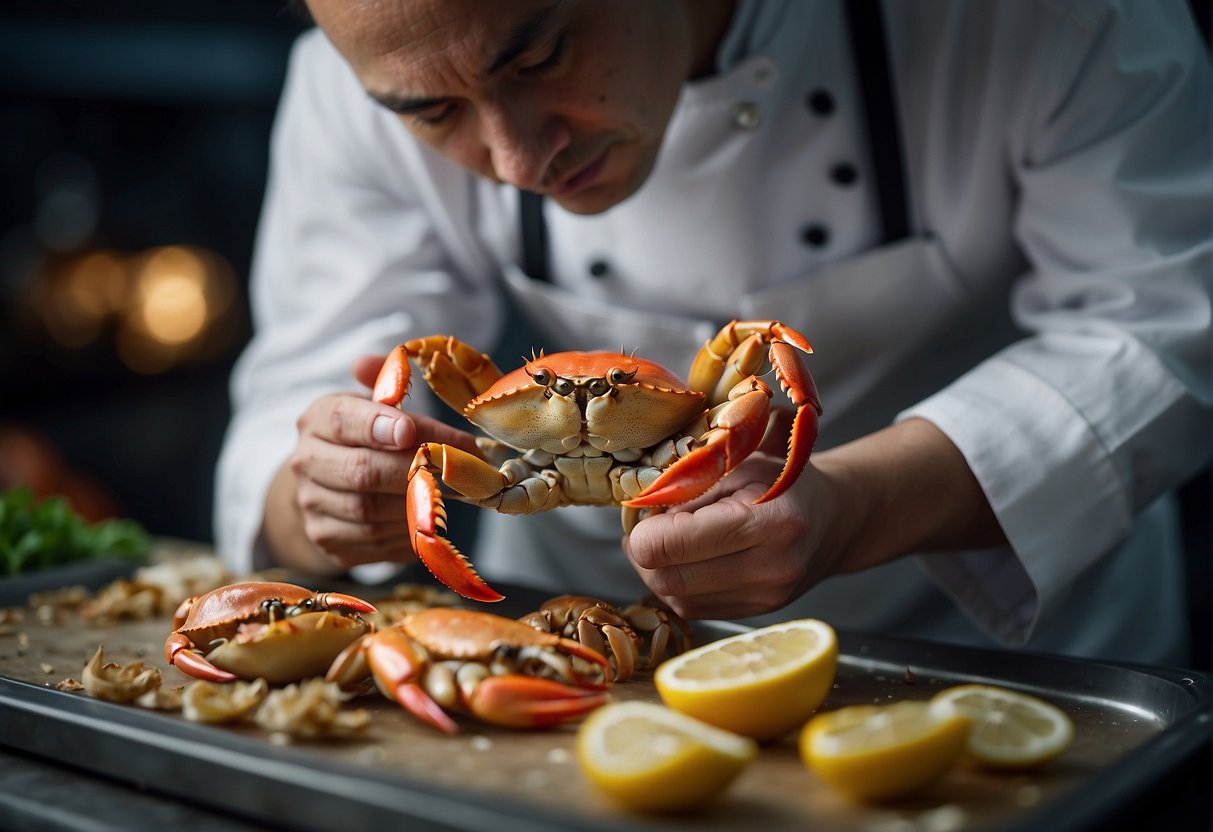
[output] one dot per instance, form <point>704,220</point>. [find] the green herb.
<point>35,534</point>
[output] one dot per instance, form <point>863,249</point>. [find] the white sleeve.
<point>348,262</point>
<point>1105,406</point>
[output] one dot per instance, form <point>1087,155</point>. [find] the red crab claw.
<point>179,651</point>
<point>339,600</point>
<point>426,517</point>
<point>392,383</point>
<point>798,383</point>
<point>399,665</point>
<point>736,432</point>
<point>517,701</point>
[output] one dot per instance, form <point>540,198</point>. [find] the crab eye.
<point>599,387</point>
<point>618,376</point>
<point>543,377</point>
<point>563,387</point>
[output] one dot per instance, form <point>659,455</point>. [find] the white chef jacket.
<point>1050,313</point>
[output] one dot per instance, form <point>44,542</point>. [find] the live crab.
<point>277,631</point>
<point>594,428</point>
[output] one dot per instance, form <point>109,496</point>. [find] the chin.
<point>602,196</point>
<point>593,200</point>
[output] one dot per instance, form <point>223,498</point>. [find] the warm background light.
<point>170,296</point>
<point>155,310</point>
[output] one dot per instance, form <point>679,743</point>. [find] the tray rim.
<point>59,725</point>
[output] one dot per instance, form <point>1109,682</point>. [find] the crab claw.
<point>802,390</point>
<point>426,516</point>
<point>392,383</point>
<point>736,432</point>
<point>339,600</point>
<point>398,664</point>
<point>179,651</point>
<point>517,701</point>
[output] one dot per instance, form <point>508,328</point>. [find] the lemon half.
<point>651,758</point>
<point>761,683</point>
<point>874,752</point>
<point>1009,729</point>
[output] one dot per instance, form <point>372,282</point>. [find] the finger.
<point>679,538</point>
<point>350,506</point>
<point>700,607</point>
<point>694,590</point>
<point>349,552</point>
<point>346,419</point>
<point>750,480</point>
<point>388,430</point>
<point>366,369</point>
<point>350,470</point>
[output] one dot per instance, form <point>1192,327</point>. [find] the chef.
<point>991,220</point>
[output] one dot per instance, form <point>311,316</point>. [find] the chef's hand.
<point>339,500</point>
<point>721,556</point>
<point>901,490</point>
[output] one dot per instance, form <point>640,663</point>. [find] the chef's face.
<point>569,98</point>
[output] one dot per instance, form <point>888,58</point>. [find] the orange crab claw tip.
<point>392,384</point>
<point>340,599</point>
<point>417,702</point>
<point>454,570</point>
<point>191,664</point>
<point>669,495</point>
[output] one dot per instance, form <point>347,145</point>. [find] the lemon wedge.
<point>1009,729</point>
<point>761,683</point>
<point>650,758</point>
<point>876,752</point>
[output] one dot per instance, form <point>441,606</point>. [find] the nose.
<point>522,142</point>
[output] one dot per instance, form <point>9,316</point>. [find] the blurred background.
<point>133,151</point>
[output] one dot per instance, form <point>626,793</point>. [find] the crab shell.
<point>253,646</point>
<point>470,635</point>
<point>629,403</point>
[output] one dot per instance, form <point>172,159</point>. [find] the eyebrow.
<point>519,41</point>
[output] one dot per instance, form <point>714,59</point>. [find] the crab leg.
<point>736,431</point>
<point>426,513</point>
<point>179,651</point>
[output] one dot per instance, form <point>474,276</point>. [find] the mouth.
<point>583,177</point>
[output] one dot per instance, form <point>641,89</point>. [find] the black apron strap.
<point>866,26</point>
<point>868,45</point>
<point>534,236</point>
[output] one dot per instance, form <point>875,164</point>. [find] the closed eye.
<point>423,111</point>
<point>433,117</point>
<point>548,63</point>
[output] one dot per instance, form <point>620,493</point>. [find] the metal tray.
<point>1133,727</point>
<point>15,590</point>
